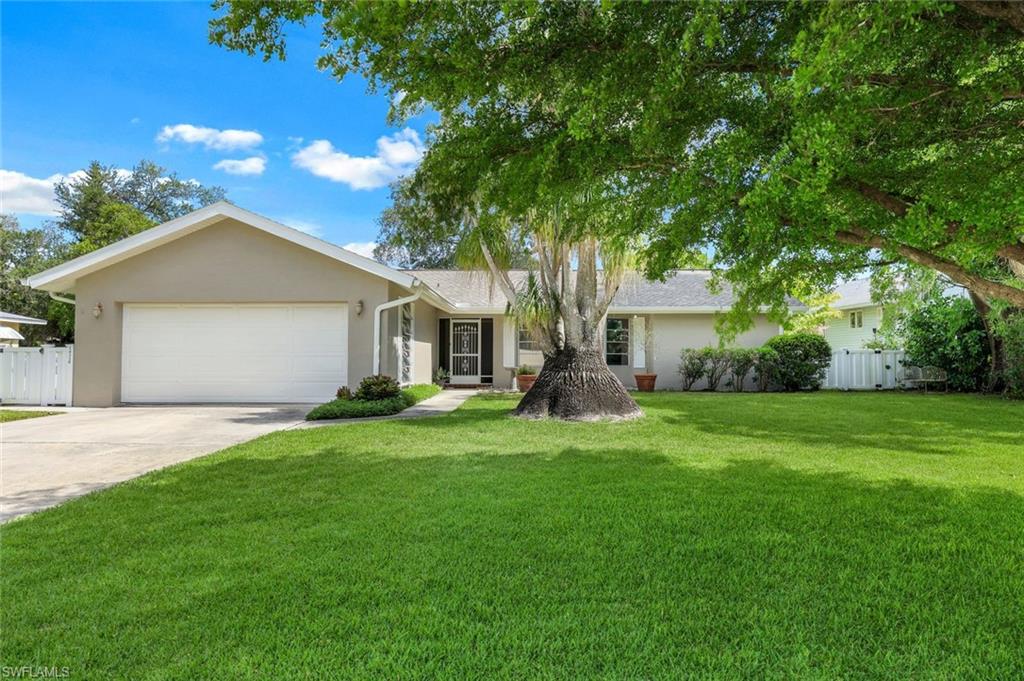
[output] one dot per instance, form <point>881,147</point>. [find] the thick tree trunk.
<point>996,352</point>
<point>575,384</point>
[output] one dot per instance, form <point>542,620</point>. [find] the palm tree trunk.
<point>576,384</point>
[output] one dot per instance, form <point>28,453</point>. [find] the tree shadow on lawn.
<point>571,563</point>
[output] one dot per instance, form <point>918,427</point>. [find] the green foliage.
<point>378,387</point>
<point>441,376</point>
<point>1009,329</point>
<point>802,360</point>
<point>766,365</point>
<point>355,409</point>
<point>798,142</point>
<point>24,252</point>
<point>950,334</point>
<point>343,393</point>
<point>692,366</point>
<point>741,362</point>
<point>716,363</point>
<point>348,408</point>
<point>526,370</point>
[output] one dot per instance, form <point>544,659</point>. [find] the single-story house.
<point>10,327</point>
<point>224,305</point>
<point>859,320</point>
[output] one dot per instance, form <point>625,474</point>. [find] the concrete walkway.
<point>48,460</point>
<point>443,403</point>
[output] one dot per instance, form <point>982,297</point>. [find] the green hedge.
<point>355,409</point>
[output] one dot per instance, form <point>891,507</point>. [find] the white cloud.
<point>20,193</point>
<point>397,155</point>
<point>254,165</point>
<point>364,248</point>
<point>306,226</point>
<point>211,138</point>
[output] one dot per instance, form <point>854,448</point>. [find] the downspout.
<point>376,321</point>
<point>61,299</point>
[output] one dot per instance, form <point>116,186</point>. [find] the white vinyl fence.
<point>36,375</point>
<point>866,370</point>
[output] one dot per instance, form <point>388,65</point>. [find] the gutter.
<point>417,285</point>
<point>61,299</point>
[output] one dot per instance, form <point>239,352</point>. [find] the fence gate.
<point>36,375</point>
<point>865,370</point>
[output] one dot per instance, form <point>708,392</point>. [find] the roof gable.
<point>63,276</point>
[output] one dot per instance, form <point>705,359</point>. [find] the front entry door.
<point>465,352</point>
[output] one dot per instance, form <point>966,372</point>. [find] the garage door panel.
<point>234,353</point>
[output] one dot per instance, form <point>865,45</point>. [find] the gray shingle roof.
<point>681,288</point>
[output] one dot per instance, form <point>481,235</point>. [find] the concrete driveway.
<point>45,461</point>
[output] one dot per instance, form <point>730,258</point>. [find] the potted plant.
<point>645,382</point>
<point>525,377</point>
<point>441,377</point>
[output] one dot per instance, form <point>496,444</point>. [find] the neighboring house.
<point>859,320</point>
<point>10,327</point>
<point>224,305</point>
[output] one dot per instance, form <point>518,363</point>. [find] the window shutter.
<point>487,350</point>
<point>638,335</point>
<point>444,325</point>
<point>509,341</point>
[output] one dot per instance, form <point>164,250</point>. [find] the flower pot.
<point>526,382</point>
<point>645,382</point>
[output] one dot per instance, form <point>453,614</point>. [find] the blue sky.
<point>119,82</point>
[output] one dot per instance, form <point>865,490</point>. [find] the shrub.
<point>742,360</point>
<point>802,360</point>
<point>419,392</point>
<point>692,366</point>
<point>950,334</point>
<point>442,376</point>
<point>766,361</point>
<point>526,370</point>
<point>379,387</point>
<point>343,393</point>
<point>354,409</point>
<point>1010,331</point>
<point>716,362</point>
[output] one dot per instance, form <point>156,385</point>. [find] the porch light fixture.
<point>359,307</point>
<point>98,310</point>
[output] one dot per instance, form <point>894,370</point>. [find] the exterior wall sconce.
<point>98,310</point>
<point>359,307</point>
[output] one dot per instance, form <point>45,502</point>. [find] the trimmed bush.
<point>950,334</point>
<point>741,361</point>
<point>803,360</point>
<point>766,360</point>
<point>716,362</point>
<point>356,409</point>
<point>692,366</point>
<point>379,387</point>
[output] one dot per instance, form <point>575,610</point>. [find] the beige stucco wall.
<point>671,333</point>
<point>228,262</point>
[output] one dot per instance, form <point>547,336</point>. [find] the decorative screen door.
<point>465,351</point>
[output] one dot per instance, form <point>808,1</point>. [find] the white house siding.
<point>840,336</point>
<point>670,333</point>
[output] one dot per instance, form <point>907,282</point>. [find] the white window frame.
<point>625,353</point>
<point>528,344</point>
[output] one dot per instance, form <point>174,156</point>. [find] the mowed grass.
<point>788,536</point>
<point>7,415</point>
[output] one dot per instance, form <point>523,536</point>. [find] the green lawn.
<point>813,536</point>
<point>15,415</point>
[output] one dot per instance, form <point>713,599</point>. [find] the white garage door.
<point>233,353</point>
